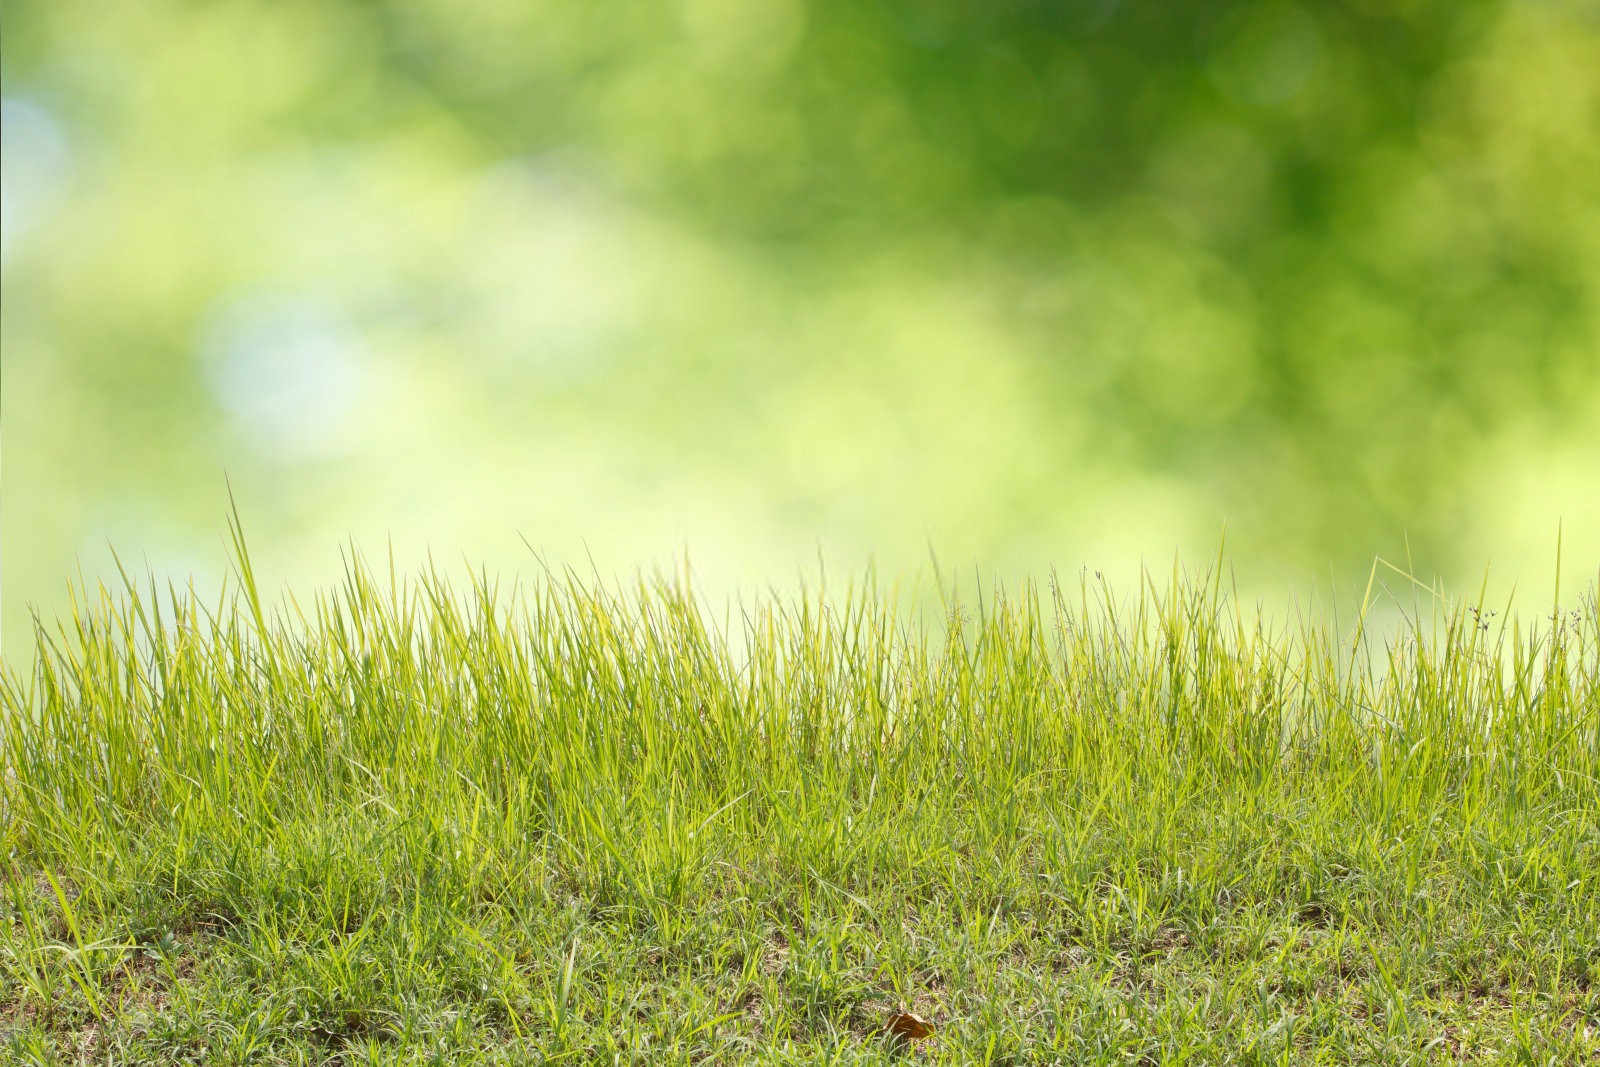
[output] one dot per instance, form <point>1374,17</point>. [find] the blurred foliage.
<point>1027,280</point>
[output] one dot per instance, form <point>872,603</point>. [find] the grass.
<point>417,822</point>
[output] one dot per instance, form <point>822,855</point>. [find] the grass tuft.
<point>418,821</point>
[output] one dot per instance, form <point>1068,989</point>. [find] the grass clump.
<point>411,821</point>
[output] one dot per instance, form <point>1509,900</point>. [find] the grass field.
<point>417,821</point>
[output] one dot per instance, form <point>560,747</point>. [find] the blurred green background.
<point>1034,284</point>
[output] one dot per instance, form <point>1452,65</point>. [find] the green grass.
<point>411,822</point>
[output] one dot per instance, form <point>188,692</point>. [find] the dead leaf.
<point>908,1027</point>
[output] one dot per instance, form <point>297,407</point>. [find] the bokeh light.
<point>1031,285</point>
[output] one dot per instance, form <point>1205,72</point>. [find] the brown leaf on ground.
<point>906,1026</point>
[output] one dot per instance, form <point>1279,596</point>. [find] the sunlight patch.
<point>36,161</point>
<point>287,373</point>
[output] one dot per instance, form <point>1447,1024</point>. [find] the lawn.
<point>432,820</point>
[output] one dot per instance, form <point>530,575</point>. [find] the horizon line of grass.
<point>566,821</point>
